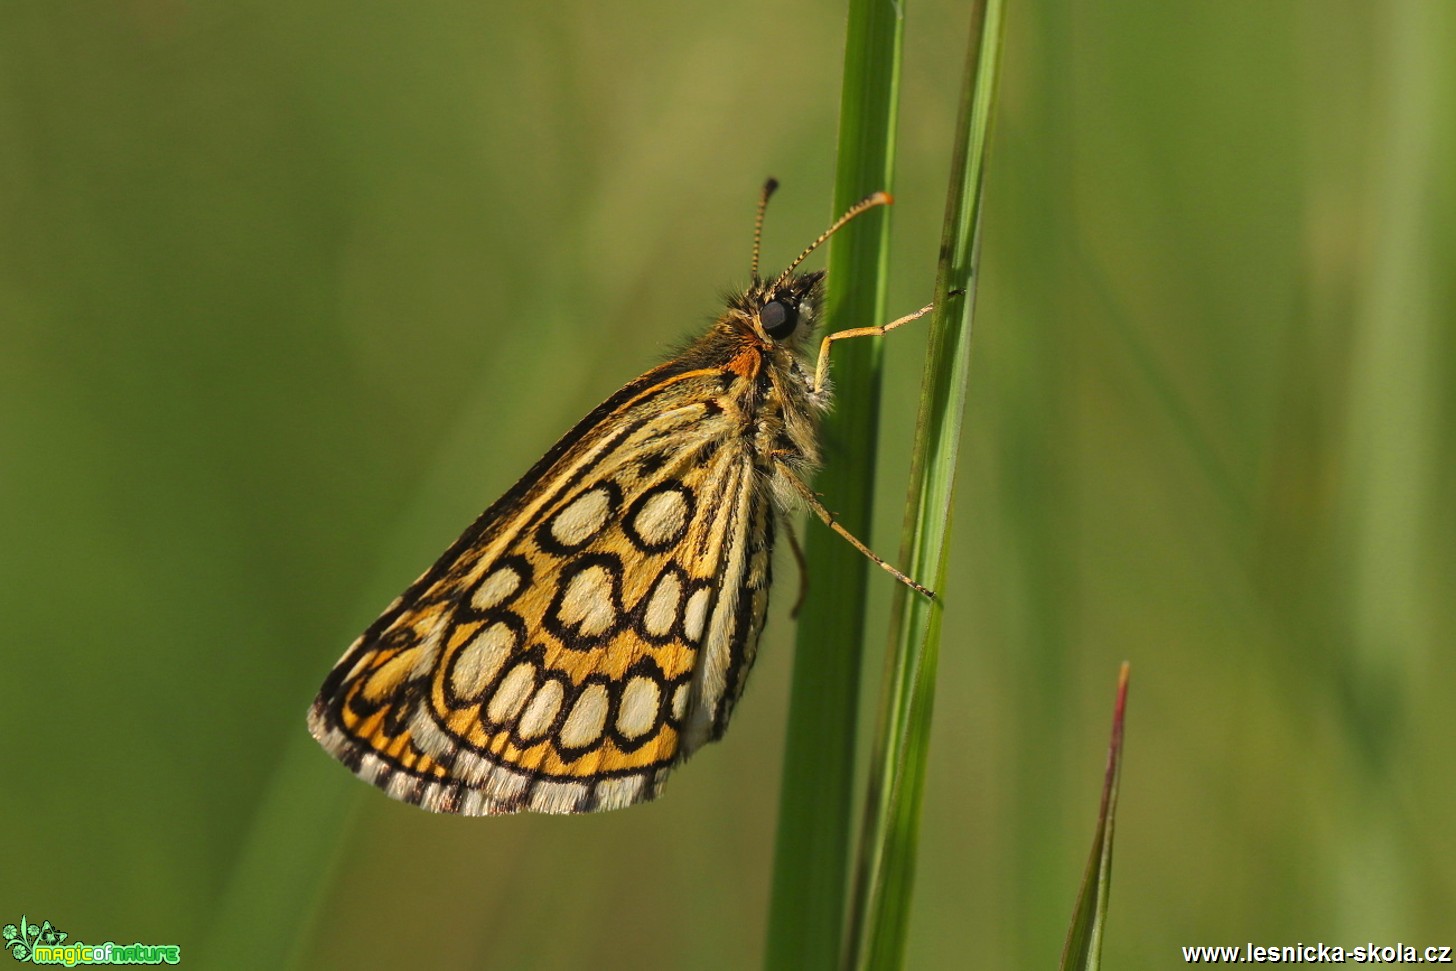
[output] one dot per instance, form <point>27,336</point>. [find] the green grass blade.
<point>892,813</point>
<point>811,853</point>
<point>1083,951</point>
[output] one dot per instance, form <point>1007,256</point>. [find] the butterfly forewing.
<point>593,627</point>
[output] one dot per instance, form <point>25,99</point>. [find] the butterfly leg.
<point>828,519</point>
<point>800,562</point>
<point>821,368</point>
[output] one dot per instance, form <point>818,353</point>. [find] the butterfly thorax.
<point>761,342</point>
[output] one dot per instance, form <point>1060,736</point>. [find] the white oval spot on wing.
<point>680,701</point>
<point>661,612</point>
<point>587,601</point>
<point>497,586</point>
<point>638,713</point>
<point>588,717</point>
<point>479,660</point>
<point>662,518</point>
<point>512,692</point>
<point>541,712</point>
<point>697,614</point>
<point>583,518</point>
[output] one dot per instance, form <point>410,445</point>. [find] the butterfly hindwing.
<point>591,630</point>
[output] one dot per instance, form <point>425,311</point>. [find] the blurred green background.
<point>290,291</point>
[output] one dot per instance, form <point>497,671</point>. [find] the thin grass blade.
<point>1083,950</point>
<point>879,924</point>
<point>813,843</point>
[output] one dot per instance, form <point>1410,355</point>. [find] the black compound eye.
<point>779,318</point>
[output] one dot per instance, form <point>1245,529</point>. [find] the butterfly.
<point>595,626</point>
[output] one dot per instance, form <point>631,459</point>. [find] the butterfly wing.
<point>588,632</point>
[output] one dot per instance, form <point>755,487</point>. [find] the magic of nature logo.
<point>44,943</point>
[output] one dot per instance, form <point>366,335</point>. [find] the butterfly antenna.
<point>763,197</point>
<point>881,198</point>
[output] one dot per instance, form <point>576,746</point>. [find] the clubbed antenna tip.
<point>768,190</point>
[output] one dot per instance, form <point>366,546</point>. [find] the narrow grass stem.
<point>880,916</point>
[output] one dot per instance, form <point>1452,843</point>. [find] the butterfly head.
<point>784,311</point>
<point>781,311</point>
